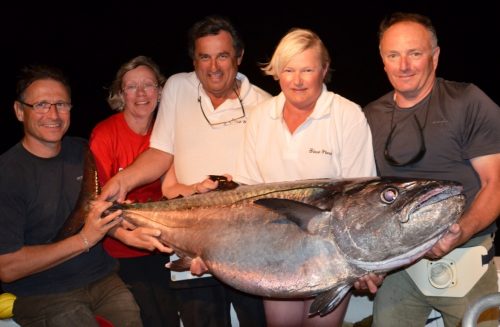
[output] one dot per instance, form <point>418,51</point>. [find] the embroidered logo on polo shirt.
<point>322,151</point>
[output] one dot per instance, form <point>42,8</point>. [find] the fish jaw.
<point>398,261</point>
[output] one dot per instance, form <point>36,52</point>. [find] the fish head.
<point>386,223</point>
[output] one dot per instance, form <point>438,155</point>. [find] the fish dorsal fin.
<point>327,301</point>
<point>298,212</point>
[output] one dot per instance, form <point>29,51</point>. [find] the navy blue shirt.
<point>36,197</point>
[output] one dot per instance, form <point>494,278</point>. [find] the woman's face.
<point>140,91</point>
<point>301,79</point>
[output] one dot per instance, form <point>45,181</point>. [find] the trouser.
<point>107,297</point>
<point>399,302</point>
<point>203,306</point>
<point>148,280</point>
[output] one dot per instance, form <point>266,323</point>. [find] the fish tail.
<point>88,192</point>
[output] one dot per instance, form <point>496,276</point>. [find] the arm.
<point>171,188</point>
<point>483,211</point>
<point>29,260</point>
<point>140,237</point>
<point>107,156</point>
<point>147,167</point>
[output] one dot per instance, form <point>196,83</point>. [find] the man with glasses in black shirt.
<point>433,128</point>
<point>57,282</point>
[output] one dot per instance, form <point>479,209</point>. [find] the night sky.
<point>90,40</point>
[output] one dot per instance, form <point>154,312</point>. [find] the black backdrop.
<point>90,40</point>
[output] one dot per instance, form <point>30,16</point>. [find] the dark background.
<point>90,40</point>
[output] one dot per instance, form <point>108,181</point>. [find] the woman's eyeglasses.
<point>237,120</point>
<point>147,87</point>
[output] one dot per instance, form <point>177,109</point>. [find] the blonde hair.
<point>296,41</point>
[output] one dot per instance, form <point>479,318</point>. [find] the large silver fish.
<point>305,238</point>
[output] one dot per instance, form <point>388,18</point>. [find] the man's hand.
<point>448,242</point>
<point>369,282</point>
<point>96,227</point>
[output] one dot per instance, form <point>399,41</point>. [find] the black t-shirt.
<point>459,122</point>
<point>36,196</point>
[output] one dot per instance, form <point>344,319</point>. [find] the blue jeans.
<point>107,297</point>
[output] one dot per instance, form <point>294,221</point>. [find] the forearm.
<point>484,210</point>
<point>148,167</point>
<point>33,259</point>
<point>173,191</point>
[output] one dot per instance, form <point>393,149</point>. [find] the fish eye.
<point>389,195</point>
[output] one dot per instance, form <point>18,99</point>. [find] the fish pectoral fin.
<point>298,212</point>
<point>327,301</point>
<point>181,264</point>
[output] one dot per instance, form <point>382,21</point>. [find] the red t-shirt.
<point>115,146</point>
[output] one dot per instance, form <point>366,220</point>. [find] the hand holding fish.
<point>204,186</point>
<point>114,190</point>
<point>369,282</point>
<point>449,241</point>
<point>140,237</point>
<point>96,227</point>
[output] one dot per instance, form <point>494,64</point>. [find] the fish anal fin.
<point>327,301</point>
<point>298,212</point>
<point>181,264</point>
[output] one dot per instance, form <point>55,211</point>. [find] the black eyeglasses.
<point>43,107</point>
<point>420,154</point>
<point>422,149</point>
<point>237,120</point>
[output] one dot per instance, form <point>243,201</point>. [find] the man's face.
<point>43,129</point>
<point>216,64</point>
<point>410,60</point>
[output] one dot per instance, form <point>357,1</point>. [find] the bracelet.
<point>85,241</point>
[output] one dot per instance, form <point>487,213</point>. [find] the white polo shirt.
<point>181,129</point>
<point>333,142</point>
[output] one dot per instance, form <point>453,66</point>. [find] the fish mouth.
<point>439,194</point>
<point>432,197</point>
